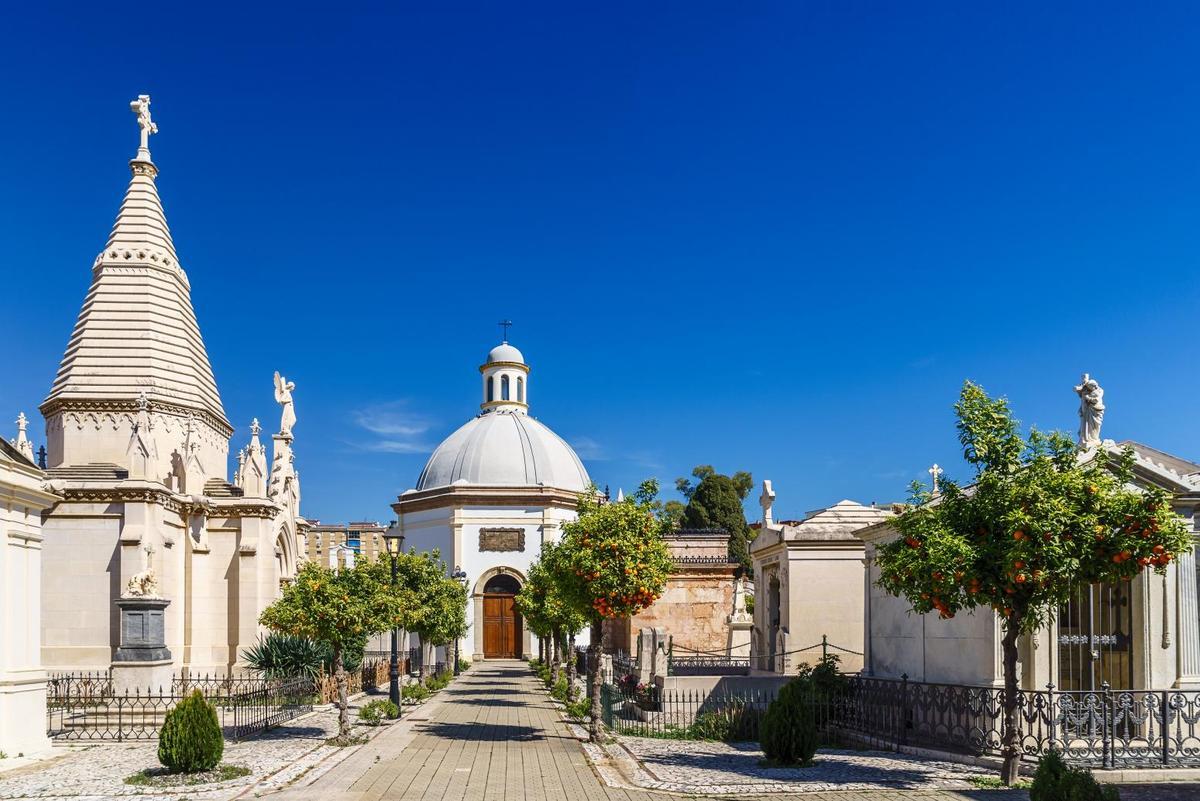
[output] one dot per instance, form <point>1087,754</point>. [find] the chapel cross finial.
<point>767,502</point>
<point>141,107</point>
<point>936,472</point>
<point>504,326</point>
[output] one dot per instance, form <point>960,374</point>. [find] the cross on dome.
<point>504,326</point>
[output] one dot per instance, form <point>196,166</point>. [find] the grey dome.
<point>504,448</point>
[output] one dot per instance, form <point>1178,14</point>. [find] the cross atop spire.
<point>141,107</point>
<point>936,472</point>
<point>504,326</point>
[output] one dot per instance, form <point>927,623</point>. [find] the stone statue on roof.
<point>283,396</point>
<point>1091,410</point>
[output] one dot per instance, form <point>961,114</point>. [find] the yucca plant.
<point>281,656</point>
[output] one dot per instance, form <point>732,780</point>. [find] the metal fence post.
<point>1051,713</point>
<point>903,709</point>
<point>1106,708</point>
<point>1166,739</point>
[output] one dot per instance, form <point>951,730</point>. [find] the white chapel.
<point>489,496</point>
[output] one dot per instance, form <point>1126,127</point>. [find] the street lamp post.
<point>461,577</point>
<point>394,541</point>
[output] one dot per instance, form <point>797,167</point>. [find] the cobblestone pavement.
<point>82,772</point>
<point>695,767</point>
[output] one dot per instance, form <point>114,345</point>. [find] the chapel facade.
<point>138,446</point>
<point>490,495</point>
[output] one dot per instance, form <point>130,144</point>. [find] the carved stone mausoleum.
<point>138,454</point>
<point>1143,633</point>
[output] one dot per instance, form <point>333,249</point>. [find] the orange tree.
<point>337,608</point>
<point>1040,519</point>
<point>612,563</point>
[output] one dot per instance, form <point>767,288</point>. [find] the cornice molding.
<point>61,405</point>
<point>474,495</point>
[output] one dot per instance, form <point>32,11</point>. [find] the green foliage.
<point>464,665</point>
<point>580,709</point>
<point>544,607</point>
<point>190,740</point>
<point>414,692</point>
<point>340,609</point>
<point>612,561</point>
<point>279,656</point>
<point>559,691</point>
<point>710,726</point>
<point>788,734</point>
<point>1037,523</point>
<point>437,611</point>
<point>1055,780</point>
<point>438,681</point>
<point>715,501</point>
<point>375,712</point>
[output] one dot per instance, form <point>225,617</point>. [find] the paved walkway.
<point>494,735</point>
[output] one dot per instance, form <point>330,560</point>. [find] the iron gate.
<point>1095,639</point>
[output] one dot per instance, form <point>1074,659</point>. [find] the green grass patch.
<point>161,777</point>
<point>994,783</point>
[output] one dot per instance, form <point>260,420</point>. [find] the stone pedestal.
<point>740,626</point>
<point>143,662</point>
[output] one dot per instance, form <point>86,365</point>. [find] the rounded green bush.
<point>788,735</point>
<point>1055,780</point>
<point>191,739</point>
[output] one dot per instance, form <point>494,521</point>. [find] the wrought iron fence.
<point>268,706</point>
<point>85,706</point>
<point>650,711</point>
<point>1103,729</point>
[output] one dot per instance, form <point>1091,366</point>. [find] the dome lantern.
<point>505,380</point>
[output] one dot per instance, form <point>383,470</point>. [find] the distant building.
<point>365,538</point>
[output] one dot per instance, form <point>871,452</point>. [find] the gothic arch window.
<point>520,389</point>
<point>504,387</point>
<point>491,388</point>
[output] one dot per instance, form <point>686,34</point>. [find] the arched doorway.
<point>501,621</point>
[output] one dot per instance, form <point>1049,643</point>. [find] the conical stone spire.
<point>137,332</point>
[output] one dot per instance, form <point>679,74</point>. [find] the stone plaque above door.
<point>502,539</point>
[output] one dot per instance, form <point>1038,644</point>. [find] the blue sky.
<point>765,236</point>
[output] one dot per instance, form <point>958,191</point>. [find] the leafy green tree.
<point>548,613</point>
<point>1040,519</point>
<point>338,609</point>
<point>715,501</point>
<point>437,607</point>
<point>612,562</point>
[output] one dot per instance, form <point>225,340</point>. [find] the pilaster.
<point>1187,624</point>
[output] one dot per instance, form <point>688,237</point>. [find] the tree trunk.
<point>594,682</point>
<point>424,651</point>
<point>542,650</point>
<point>1011,740</point>
<point>571,668</point>
<point>343,691</point>
<point>556,659</point>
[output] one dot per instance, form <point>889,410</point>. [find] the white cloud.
<point>398,428</point>
<point>588,448</point>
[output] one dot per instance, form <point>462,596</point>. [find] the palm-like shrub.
<point>191,739</point>
<point>788,735</point>
<point>282,656</point>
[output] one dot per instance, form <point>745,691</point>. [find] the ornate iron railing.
<point>1102,729</point>
<point>86,706</point>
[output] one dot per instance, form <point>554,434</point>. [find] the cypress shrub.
<point>788,734</point>
<point>1055,780</point>
<point>191,739</point>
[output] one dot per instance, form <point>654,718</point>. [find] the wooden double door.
<point>501,627</point>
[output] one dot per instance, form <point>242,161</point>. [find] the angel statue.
<point>1091,410</point>
<point>283,396</point>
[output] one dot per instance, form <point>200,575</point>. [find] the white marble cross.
<point>767,502</point>
<point>936,472</point>
<point>22,424</point>
<point>141,107</point>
